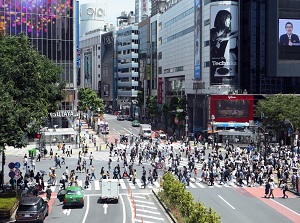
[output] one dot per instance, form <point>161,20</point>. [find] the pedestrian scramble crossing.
<point>125,184</point>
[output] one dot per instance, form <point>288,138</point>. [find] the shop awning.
<point>61,131</point>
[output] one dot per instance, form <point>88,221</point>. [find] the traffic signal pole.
<point>3,163</point>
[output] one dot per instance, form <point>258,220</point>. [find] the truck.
<point>104,128</point>
<point>145,131</point>
<point>110,190</point>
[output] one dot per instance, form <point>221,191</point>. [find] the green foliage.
<point>30,89</point>
<point>140,99</point>
<point>89,100</point>
<point>177,198</point>
<point>151,103</point>
<point>279,107</point>
<point>7,203</point>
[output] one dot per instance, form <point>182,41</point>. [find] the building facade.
<point>50,27</point>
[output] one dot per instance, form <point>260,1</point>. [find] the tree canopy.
<point>89,100</point>
<point>277,109</point>
<point>30,89</point>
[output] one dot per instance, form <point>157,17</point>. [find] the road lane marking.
<point>152,217</point>
<point>145,202</point>
<point>122,183</point>
<point>145,206</point>
<point>140,220</point>
<point>192,185</point>
<point>130,205</point>
<point>146,211</point>
<point>139,183</point>
<point>142,197</point>
<point>123,208</point>
<point>97,185</point>
<point>87,209</point>
<point>200,185</point>
<point>226,202</point>
<point>285,207</point>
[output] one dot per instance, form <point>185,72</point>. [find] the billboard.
<point>289,31</point>
<point>232,108</point>
<point>88,69</point>
<point>197,39</point>
<point>224,21</point>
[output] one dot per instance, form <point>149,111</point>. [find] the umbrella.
<point>43,172</point>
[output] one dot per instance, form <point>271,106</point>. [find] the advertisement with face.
<point>224,44</point>
<point>289,31</point>
<point>197,5</point>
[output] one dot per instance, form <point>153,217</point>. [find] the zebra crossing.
<point>124,184</point>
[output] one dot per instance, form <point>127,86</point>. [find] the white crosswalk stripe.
<point>53,188</point>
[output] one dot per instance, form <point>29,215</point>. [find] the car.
<point>160,134</point>
<point>72,196</point>
<point>135,123</point>
<point>32,209</point>
<point>129,118</point>
<point>120,118</point>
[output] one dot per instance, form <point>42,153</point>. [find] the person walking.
<point>93,169</point>
<point>134,177</point>
<point>284,189</point>
<point>48,193</point>
<point>267,189</point>
<point>272,186</point>
<point>91,159</point>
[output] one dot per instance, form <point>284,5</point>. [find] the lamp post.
<point>265,141</point>
<point>212,131</point>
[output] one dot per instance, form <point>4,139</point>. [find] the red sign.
<point>232,108</point>
<point>159,90</point>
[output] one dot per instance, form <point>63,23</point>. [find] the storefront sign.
<point>64,113</point>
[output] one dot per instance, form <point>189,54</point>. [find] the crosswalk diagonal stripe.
<point>97,184</point>
<point>123,185</point>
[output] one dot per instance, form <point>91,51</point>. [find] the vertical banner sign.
<point>88,69</point>
<point>224,21</point>
<point>159,91</point>
<point>144,7</point>
<point>197,39</point>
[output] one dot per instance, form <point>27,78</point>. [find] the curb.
<point>172,218</point>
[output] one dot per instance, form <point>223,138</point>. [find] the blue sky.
<point>114,7</point>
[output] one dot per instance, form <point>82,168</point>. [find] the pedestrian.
<point>93,169</point>
<point>134,177</point>
<point>144,180</point>
<point>62,181</point>
<point>284,189</point>
<point>48,193</point>
<point>58,161</point>
<point>272,186</point>
<point>91,159</point>
<point>33,164</point>
<point>25,161</point>
<point>267,189</point>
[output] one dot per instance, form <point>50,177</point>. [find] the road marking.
<point>132,215</point>
<point>145,206</point>
<point>286,207</point>
<point>200,185</point>
<point>140,220</point>
<point>146,211</point>
<point>97,185</point>
<point>147,216</point>
<point>192,185</point>
<point>87,209</point>
<point>122,183</point>
<point>142,197</point>
<point>226,202</point>
<point>67,211</point>
<point>145,202</point>
<point>124,211</point>
<point>156,184</point>
<point>217,185</point>
<point>139,183</point>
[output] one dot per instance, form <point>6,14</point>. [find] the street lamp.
<point>212,131</point>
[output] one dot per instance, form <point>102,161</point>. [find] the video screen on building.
<point>289,32</point>
<point>232,108</point>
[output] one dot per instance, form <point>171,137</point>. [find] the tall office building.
<point>49,26</point>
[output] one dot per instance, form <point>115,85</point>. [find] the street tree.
<point>30,88</point>
<point>89,100</point>
<point>277,109</point>
<point>151,103</point>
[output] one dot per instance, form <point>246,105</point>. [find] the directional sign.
<point>11,174</point>
<point>105,206</point>
<point>11,165</point>
<point>67,211</point>
<point>17,172</point>
<point>17,165</point>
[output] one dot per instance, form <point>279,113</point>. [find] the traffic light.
<point>3,157</point>
<point>38,135</point>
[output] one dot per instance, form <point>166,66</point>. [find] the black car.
<point>32,209</point>
<point>129,118</point>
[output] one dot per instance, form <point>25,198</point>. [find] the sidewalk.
<point>100,145</point>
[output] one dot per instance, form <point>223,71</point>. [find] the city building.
<point>50,26</point>
<point>127,64</point>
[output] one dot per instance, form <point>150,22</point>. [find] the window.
<point>177,69</point>
<point>159,70</point>
<point>206,22</point>
<point>206,43</point>
<point>159,55</point>
<point>207,64</point>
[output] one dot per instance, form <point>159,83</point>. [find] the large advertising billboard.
<point>197,39</point>
<point>224,21</point>
<point>232,108</point>
<point>289,31</point>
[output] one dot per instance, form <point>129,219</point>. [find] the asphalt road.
<point>233,203</point>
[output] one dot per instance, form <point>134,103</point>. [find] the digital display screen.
<point>36,18</point>
<point>289,32</point>
<point>232,108</point>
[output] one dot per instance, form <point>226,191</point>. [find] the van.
<point>145,131</point>
<point>110,190</point>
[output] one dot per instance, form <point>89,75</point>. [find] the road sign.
<point>17,172</point>
<point>159,165</point>
<point>17,165</point>
<point>11,165</point>
<point>11,174</point>
<point>257,123</point>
